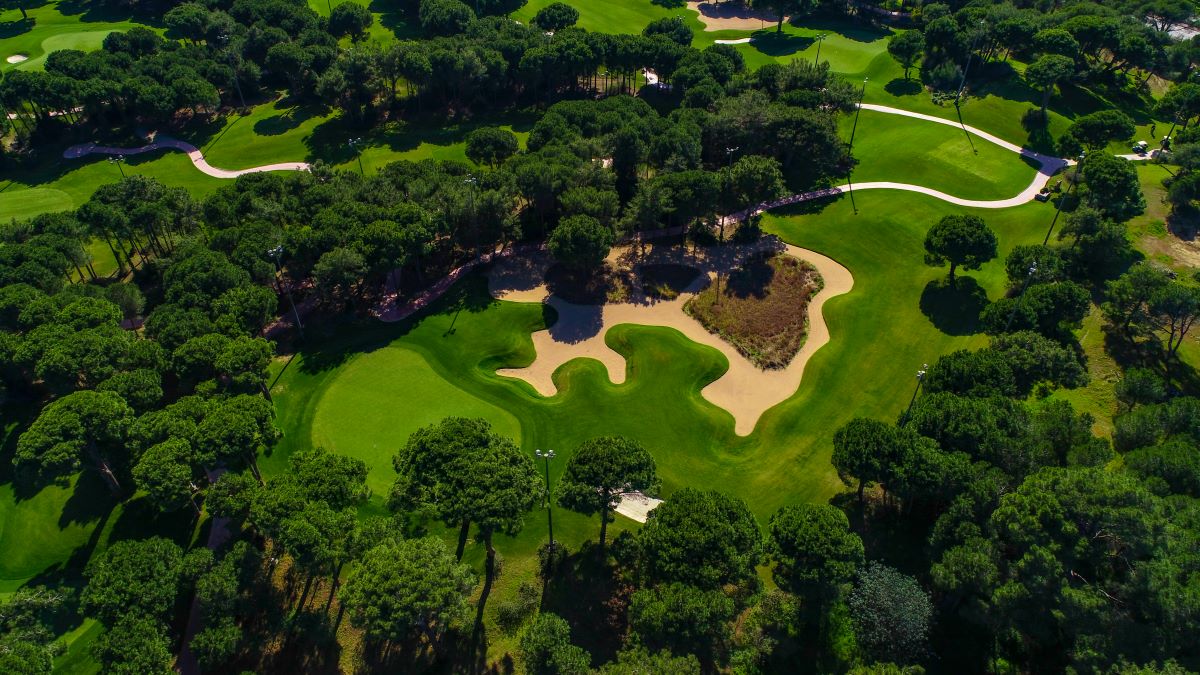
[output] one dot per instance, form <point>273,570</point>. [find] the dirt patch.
<point>16,58</point>
<point>732,16</point>
<point>667,281</point>
<point>607,285</point>
<point>761,309</point>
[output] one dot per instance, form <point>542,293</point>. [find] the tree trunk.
<point>462,538</point>
<point>953,265</point>
<point>779,28</point>
<point>603,525</point>
<point>862,484</point>
<point>491,556</point>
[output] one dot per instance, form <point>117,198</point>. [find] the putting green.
<point>368,412</point>
<point>28,202</point>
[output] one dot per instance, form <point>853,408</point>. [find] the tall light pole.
<point>546,457</point>
<point>970,55</point>
<point>118,160</point>
<point>233,64</point>
<point>354,143</point>
<point>1063,199</point>
<point>729,150</point>
<point>277,253</point>
<point>820,38</point>
<point>850,148</point>
<point>473,182</point>
<point>920,379</point>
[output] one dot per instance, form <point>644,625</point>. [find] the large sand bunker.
<point>732,16</point>
<point>16,58</point>
<point>744,390</point>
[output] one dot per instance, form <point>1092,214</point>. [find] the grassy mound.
<point>762,310</point>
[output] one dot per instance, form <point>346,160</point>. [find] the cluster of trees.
<point>1037,554</point>
<point>1073,42</point>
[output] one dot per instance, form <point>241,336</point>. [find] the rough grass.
<point>762,310</point>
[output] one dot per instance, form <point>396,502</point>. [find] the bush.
<point>510,614</point>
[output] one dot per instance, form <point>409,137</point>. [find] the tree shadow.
<point>392,17</point>
<point>576,323</point>
<point>89,502</point>
<point>751,279</point>
<point>858,31</point>
<point>286,121</point>
<point>587,592</point>
<point>14,28</point>
<point>772,43</point>
<point>898,86</point>
<point>954,308</point>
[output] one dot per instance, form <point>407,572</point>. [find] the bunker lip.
<point>744,390</point>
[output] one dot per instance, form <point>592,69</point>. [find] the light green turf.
<point>58,183</point>
<point>614,16</point>
<point>359,413</point>
<point>50,29</point>
<point>880,338</point>
<point>906,150</point>
<point>277,132</point>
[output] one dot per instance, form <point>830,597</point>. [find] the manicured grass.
<point>278,132</point>
<point>57,25</point>
<point>906,150</point>
<point>389,22</point>
<point>614,16</point>
<point>357,411</point>
<point>849,47</point>
<point>882,332</point>
<point>761,309</point>
<point>56,184</point>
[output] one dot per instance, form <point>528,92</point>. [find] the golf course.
<point>287,292</point>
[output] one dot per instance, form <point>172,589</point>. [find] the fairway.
<point>57,25</point>
<point>938,156</point>
<point>443,363</point>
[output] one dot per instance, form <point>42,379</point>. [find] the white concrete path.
<point>193,153</point>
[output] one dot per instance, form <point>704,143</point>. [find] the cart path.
<point>193,153</point>
<point>1048,165</point>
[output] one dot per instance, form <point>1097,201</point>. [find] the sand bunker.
<point>744,390</point>
<point>732,16</point>
<point>17,58</point>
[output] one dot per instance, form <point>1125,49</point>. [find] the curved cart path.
<point>744,390</point>
<point>193,153</point>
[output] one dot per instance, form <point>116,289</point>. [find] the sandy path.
<point>192,151</point>
<point>745,391</point>
<point>731,16</point>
